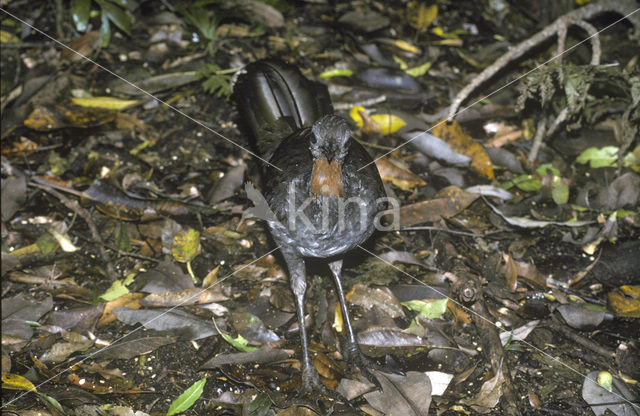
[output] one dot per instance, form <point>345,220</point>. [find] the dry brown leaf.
<point>449,202</point>
<point>326,367</point>
<point>505,136</point>
<point>460,315</point>
<point>22,147</point>
<point>130,300</point>
<point>510,272</point>
<point>633,291</point>
<point>193,296</point>
<point>84,45</point>
<point>461,142</point>
<point>52,118</point>
<point>369,127</point>
<point>530,272</point>
<point>398,176</point>
<point>377,124</point>
<point>624,306</point>
<point>211,277</point>
<point>129,122</point>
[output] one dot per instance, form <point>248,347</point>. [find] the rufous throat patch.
<point>326,178</point>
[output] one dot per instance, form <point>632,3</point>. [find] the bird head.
<point>329,144</point>
<point>330,138</point>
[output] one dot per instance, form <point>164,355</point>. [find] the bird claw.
<point>311,386</point>
<point>365,365</point>
<point>311,383</point>
<point>355,358</point>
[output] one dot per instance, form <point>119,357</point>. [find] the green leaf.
<point>592,307</point>
<point>403,65</point>
<point>116,14</point>
<point>546,168</point>
<point>415,71</point>
<point>559,187</point>
<point>122,238</point>
<point>631,160</point>
<point>105,30</point>
<point>336,72</point>
<point>512,347</point>
<point>47,243</point>
<point>622,213</point>
<point>16,382</point>
<point>560,191</point>
<point>260,405</point>
<point>186,245</point>
<point>218,84</point>
<point>80,13</point>
<point>527,183</point>
<point>430,309</point>
<point>605,379</point>
<point>117,289</point>
<point>240,343</point>
<point>599,157</point>
<point>188,398</point>
<point>199,17</point>
<point>419,71</point>
<point>53,402</point>
<point>415,328</point>
<point>216,81</point>
<point>122,3</point>
<point>57,164</point>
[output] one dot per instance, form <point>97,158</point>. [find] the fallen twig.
<point>76,208</point>
<point>578,17</point>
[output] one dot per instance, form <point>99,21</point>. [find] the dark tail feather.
<point>275,100</point>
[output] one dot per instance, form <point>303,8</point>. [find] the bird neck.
<point>326,178</point>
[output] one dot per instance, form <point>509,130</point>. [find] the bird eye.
<point>313,140</point>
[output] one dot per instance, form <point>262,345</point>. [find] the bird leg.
<point>297,279</point>
<point>351,351</point>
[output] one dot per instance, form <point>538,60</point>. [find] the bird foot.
<point>311,383</point>
<point>355,358</point>
<point>311,386</point>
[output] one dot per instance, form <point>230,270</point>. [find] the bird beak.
<point>326,178</point>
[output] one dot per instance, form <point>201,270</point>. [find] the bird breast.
<point>326,178</point>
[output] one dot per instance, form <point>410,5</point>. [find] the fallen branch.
<point>559,27</point>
